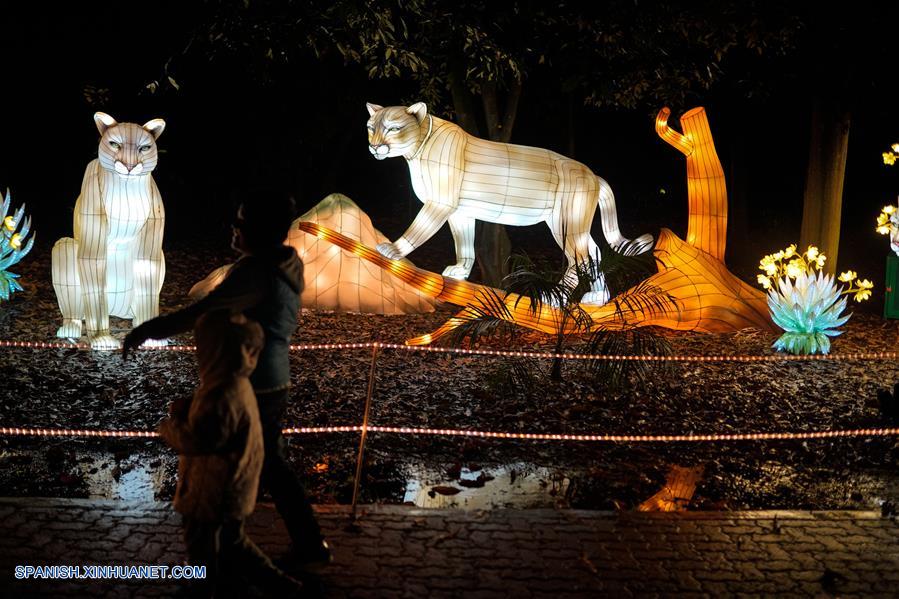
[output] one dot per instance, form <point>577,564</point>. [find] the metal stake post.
<point>371,388</point>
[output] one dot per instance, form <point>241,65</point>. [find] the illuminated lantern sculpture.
<point>888,224</point>
<point>339,280</point>
<point>805,302</point>
<point>706,295</point>
<point>12,240</point>
<point>460,178</point>
<point>114,264</point>
<point>888,220</point>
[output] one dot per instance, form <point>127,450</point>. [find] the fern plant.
<point>547,286</point>
<point>804,301</point>
<point>12,239</point>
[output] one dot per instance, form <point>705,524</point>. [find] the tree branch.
<point>678,141</point>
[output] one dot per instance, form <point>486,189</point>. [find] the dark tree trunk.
<point>823,200</point>
<point>463,104</point>
<point>492,244</point>
<point>500,129</point>
<point>492,248</point>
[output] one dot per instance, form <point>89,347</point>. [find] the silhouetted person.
<point>265,284</point>
<point>218,436</point>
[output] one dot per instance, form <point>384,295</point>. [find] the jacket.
<point>266,287</point>
<point>218,437</point>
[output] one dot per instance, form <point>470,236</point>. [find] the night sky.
<point>302,127</point>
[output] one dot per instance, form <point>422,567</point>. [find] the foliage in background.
<point>621,53</point>
<point>12,239</point>
<point>804,301</point>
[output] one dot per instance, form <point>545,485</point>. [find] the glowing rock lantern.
<point>339,280</point>
<point>114,264</point>
<point>707,296</point>
<point>12,240</point>
<point>460,179</point>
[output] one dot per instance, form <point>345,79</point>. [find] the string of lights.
<point>74,432</point>
<point>882,355</point>
<point>449,432</point>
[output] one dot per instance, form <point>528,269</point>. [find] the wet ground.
<point>145,471</point>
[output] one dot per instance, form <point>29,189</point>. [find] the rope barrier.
<point>402,430</point>
<point>75,432</point>
<point>883,355</point>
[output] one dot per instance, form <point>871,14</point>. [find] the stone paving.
<point>398,551</point>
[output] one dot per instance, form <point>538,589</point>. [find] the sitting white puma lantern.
<point>114,264</point>
<point>460,178</point>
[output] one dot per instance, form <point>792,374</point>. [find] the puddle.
<point>518,485</point>
<point>90,474</point>
<point>139,471</point>
<point>132,479</point>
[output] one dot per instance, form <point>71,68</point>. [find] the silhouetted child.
<point>218,437</point>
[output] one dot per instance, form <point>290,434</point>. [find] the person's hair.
<point>267,216</point>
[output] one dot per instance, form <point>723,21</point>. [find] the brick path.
<point>401,551</point>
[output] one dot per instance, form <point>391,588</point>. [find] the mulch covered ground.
<point>81,389</point>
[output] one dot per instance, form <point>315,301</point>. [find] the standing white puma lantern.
<point>114,264</point>
<point>460,179</point>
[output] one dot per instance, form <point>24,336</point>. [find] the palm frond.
<point>487,318</point>
<point>642,301</point>
<point>538,286</point>
<point>563,290</point>
<point>626,342</point>
<point>623,269</point>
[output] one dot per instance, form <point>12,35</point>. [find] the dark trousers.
<point>227,554</point>
<point>283,485</point>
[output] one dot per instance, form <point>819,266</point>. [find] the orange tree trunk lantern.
<point>706,190</point>
<point>707,297</point>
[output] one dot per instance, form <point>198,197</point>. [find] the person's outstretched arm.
<point>242,289</point>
